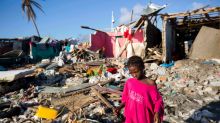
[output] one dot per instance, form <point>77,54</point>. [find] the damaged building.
<point>27,49</point>
<point>181,29</point>
<point>146,37</point>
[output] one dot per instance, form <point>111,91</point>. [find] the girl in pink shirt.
<point>140,97</point>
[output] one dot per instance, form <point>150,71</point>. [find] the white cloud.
<point>197,5</point>
<point>125,16</point>
<point>138,8</point>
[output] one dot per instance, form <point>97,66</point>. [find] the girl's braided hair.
<point>135,61</point>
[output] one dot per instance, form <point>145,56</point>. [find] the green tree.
<point>27,7</point>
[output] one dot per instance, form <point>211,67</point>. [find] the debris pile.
<point>89,91</point>
<point>191,91</point>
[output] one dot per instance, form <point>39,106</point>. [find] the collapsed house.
<point>45,48</point>
<point>180,30</point>
<point>13,50</point>
<point>145,35</point>
<point>22,50</point>
<point>112,41</point>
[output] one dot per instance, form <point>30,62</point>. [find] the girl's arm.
<point>156,118</point>
<point>118,109</point>
<point>124,99</point>
<point>122,105</point>
<point>158,104</point>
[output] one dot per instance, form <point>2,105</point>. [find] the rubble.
<point>189,93</point>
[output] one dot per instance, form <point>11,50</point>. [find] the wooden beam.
<point>164,53</point>
<point>184,26</point>
<point>201,11</point>
<point>207,16</point>
<point>197,18</point>
<point>86,27</point>
<point>155,52</point>
<point>102,99</point>
<point>139,26</point>
<point>109,90</point>
<point>123,48</point>
<point>85,88</point>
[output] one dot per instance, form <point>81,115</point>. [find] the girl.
<point>140,97</point>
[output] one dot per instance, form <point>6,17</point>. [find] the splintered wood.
<point>73,102</point>
<point>102,98</point>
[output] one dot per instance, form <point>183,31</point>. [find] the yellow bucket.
<point>47,113</point>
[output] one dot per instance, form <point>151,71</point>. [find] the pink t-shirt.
<point>141,102</point>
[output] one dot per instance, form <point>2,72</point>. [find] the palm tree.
<point>27,7</point>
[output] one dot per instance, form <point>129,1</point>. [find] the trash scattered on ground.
<point>190,91</point>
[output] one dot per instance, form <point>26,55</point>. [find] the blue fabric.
<point>2,68</point>
<point>167,65</point>
<point>67,48</point>
<point>40,53</point>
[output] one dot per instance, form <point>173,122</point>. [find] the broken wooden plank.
<point>201,11</point>
<point>73,102</point>
<point>102,99</point>
<point>140,25</point>
<point>115,98</point>
<point>120,64</point>
<point>109,90</point>
<point>85,86</point>
<point>123,48</point>
<point>153,51</point>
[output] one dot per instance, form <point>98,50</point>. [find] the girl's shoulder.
<point>150,82</point>
<point>130,79</point>
<point>145,82</point>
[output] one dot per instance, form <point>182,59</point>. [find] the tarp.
<point>152,9</point>
<point>41,51</point>
<point>45,51</point>
<point>46,48</point>
<point>206,44</point>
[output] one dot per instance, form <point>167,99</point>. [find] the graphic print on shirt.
<point>135,96</point>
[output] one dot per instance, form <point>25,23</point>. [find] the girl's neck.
<point>147,81</point>
<point>142,77</point>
